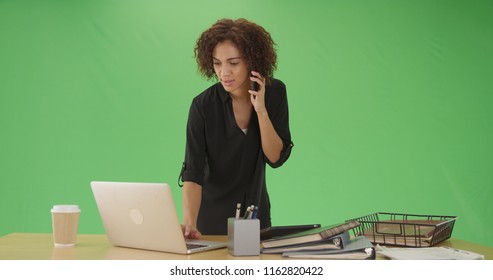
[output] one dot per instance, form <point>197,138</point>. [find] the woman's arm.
<point>191,199</point>
<point>271,142</point>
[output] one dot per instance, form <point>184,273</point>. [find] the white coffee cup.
<point>65,220</point>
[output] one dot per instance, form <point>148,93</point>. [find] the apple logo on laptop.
<point>136,217</point>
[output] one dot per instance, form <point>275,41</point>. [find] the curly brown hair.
<point>252,40</point>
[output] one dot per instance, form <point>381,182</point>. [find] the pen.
<point>255,212</point>
<point>250,214</point>
<point>246,212</point>
<point>238,209</point>
<point>252,207</point>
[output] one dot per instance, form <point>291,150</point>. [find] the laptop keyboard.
<point>194,246</point>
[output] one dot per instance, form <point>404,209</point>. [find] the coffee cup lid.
<point>65,209</point>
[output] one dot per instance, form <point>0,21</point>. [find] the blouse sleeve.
<point>280,120</point>
<point>193,167</point>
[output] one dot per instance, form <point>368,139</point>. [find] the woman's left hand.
<point>258,97</point>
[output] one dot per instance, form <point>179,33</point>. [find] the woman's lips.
<point>228,83</point>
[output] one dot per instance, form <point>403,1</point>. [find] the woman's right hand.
<point>190,232</point>
<point>192,196</point>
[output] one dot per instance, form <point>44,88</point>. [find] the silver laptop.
<point>143,216</point>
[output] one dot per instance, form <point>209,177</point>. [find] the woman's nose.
<point>225,71</point>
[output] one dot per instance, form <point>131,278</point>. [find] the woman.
<point>232,130</point>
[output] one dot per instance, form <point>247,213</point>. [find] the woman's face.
<point>231,68</point>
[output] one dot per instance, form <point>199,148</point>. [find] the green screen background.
<point>391,105</point>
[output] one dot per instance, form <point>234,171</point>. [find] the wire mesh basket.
<point>407,230</point>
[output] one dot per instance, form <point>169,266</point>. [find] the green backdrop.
<point>391,105</point>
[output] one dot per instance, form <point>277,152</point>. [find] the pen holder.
<point>244,237</point>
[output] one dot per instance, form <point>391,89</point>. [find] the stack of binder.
<point>329,242</point>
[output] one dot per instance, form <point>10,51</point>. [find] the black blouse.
<point>229,165</point>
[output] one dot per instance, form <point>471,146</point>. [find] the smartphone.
<point>254,85</point>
